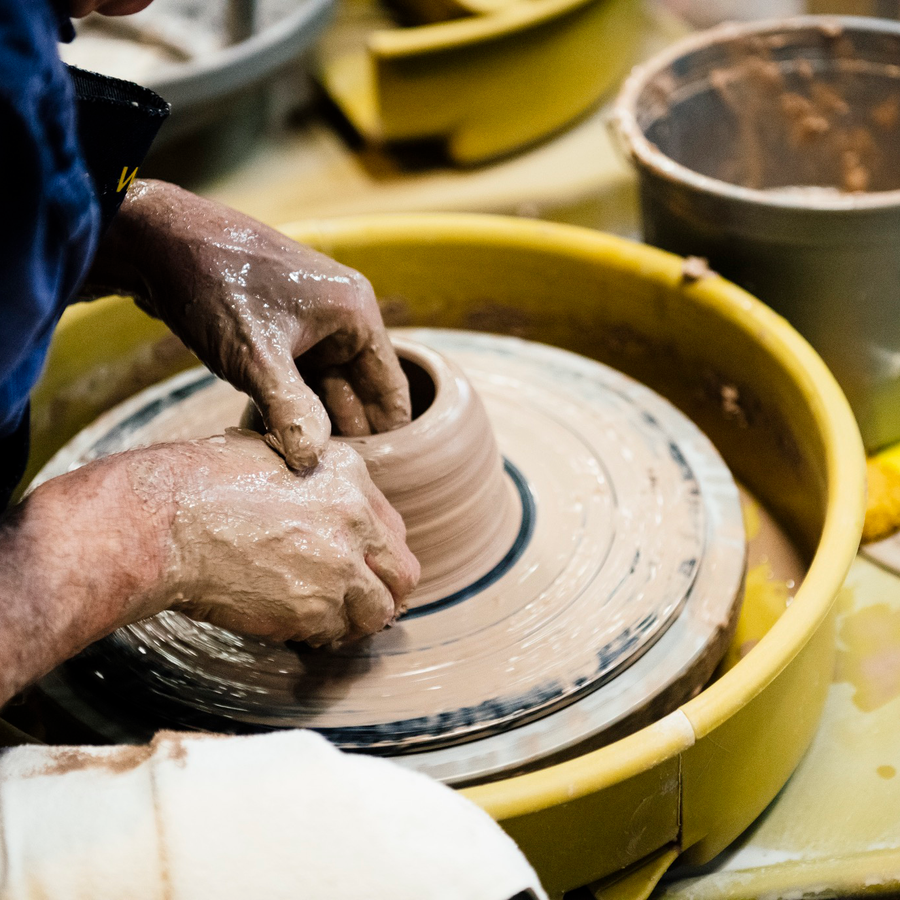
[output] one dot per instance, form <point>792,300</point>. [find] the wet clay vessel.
<point>443,473</point>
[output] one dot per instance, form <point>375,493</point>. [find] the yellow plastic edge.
<point>485,85</point>
<point>505,21</point>
<point>666,761</point>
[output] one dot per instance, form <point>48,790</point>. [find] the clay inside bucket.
<point>815,106</point>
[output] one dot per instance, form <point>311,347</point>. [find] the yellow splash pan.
<point>691,782</point>
<point>482,85</point>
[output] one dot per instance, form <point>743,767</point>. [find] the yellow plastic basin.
<point>694,780</point>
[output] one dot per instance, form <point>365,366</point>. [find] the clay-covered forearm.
<point>77,559</point>
<point>167,245</point>
<point>219,529</point>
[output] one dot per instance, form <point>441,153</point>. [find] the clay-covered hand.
<point>249,302</point>
<point>218,528</point>
<point>256,548</point>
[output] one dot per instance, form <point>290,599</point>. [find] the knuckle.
<point>362,286</point>
<point>353,511</point>
<point>317,619</point>
<point>410,574</point>
<point>376,610</point>
<point>342,455</point>
<point>357,519</point>
<point>357,468</point>
<point>352,464</point>
<point>395,521</point>
<point>346,566</point>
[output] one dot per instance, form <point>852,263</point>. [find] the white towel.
<point>281,815</point>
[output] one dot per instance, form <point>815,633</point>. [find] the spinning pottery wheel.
<point>582,551</point>
<point>687,783</point>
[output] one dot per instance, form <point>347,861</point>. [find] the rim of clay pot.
<point>625,128</point>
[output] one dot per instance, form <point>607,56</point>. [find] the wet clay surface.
<point>445,476</point>
<point>784,111</point>
<point>629,562</point>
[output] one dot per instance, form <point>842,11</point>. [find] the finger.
<point>389,518</point>
<point>297,425</point>
<point>392,561</point>
<point>369,605</point>
<point>324,622</point>
<point>348,415</point>
<point>398,569</point>
<point>380,384</point>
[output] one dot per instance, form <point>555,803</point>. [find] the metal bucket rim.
<point>647,155</point>
<point>245,63</point>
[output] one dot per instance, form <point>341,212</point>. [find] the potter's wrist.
<point>151,213</point>
<point>134,246</point>
<point>107,535</point>
<point>150,478</point>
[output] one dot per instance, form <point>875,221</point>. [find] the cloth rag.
<point>277,815</point>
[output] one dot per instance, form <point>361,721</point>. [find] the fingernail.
<point>298,452</point>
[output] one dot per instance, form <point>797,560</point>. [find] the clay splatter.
<point>694,268</point>
<point>870,656</point>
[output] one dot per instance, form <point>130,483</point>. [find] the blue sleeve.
<point>49,221</point>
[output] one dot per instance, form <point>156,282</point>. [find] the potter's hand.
<point>220,529</point>
<point>255,548</point>
<point>249,301</point>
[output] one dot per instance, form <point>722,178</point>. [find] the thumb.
<point>296,423</point>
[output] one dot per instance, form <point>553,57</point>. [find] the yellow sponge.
<point>883,504</point>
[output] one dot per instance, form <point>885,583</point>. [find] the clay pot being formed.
<point>443,473</point>
<point>582,549</point>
